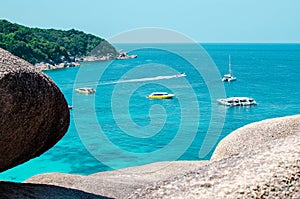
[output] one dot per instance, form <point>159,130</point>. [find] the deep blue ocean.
<point>119,127</point>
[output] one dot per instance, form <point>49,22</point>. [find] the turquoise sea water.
<point>119,127</point>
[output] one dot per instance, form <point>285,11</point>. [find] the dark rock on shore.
<point>21,191</point>
<point>34,114</point>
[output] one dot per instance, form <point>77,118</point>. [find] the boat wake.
<point>146,79</point>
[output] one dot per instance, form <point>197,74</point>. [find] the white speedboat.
<point>229,77</point>
<point>85,90</point>
<point>160,95</point>
<point>237,101</point>
<point>180,75</point>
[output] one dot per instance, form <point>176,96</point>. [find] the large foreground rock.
<point>34,114</point>
<point>270,168</point>
<point>9,190</point>
<point>256,134</point>
<point>120,183</point>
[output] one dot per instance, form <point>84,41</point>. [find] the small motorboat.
<point>180,75</point>
<point>237,101</point>
<point>70,107</point>
<point>85,90</point>
<point>160,95</point>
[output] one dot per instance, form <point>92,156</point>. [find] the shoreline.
<point>42,66</point>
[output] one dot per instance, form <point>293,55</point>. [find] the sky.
<point>207,21</point>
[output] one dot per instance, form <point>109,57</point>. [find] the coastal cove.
<point>266,72</point>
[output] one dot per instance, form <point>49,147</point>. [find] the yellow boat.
<point>160,95</point>
<point>85,90</point>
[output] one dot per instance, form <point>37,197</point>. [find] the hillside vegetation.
<point>49,45</point>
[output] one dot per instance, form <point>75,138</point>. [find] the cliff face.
<point>34,114</point>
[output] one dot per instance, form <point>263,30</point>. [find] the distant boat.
<point>237,101</point>
<point>180,75</point>
<point>85,90</point>
<point>160,95</point>
<point>229,77</point>
<point>70,107</point>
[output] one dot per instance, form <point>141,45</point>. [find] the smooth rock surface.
<point>120,183</point>
<point>256,134</point>
<point>34,114</point>
<point>270,171</point>
<point>266,169</point>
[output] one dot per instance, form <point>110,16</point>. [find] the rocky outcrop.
<point>272,170</point>
<point>34,114</point>
<point>267,166</point>
<point>256,134</point>
<point>120,183</point>
<point>25,190</point>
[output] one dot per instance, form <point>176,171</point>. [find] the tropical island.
<point>51,48</point>
<point>259,160</point>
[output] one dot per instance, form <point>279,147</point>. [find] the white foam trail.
<point>144,79</point>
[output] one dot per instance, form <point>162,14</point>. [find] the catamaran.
<point>237,101</point>
<point>229,77</point>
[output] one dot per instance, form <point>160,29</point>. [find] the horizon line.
<point>198,42</point>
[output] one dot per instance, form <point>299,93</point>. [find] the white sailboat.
<point>229,77</point>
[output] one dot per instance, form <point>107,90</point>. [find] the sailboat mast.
<point>229,64</point>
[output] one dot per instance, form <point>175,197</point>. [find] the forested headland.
<point>51,46</point>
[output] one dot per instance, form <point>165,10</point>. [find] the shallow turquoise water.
<point>119,127</point>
